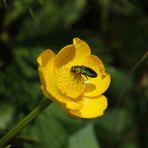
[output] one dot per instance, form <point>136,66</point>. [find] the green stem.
<point>24,121</point>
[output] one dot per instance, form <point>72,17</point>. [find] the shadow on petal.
<point>90,87</point>
<point>65,56</point>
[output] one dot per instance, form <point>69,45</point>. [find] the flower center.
<point>70,84</point>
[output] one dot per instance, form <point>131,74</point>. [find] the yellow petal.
<point>73,105</point>
<point>94,63</point>
<point>72,54</point>
<point>49,88</point>
<point>91,108</point>
<point>44,91</point>
<point>49,80</point>
<point>45,57</point>
<point>64,56</point>
<point>45,61</point>
<point>96,86</point>
<point>82,49</point>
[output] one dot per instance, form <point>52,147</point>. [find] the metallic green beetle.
<point>86,71</point>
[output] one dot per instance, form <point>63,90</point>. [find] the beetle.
<point>86,71</point>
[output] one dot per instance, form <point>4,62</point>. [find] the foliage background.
<point>117,31</point>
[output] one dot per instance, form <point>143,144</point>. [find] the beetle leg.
<point>86,77</point>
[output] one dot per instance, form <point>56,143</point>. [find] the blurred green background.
<point>117,32</point>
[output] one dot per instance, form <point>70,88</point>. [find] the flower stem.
<point>26,120</point>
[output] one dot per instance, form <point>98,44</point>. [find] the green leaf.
<point>84,138</point>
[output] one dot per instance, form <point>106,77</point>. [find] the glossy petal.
<point>72,54</point>
<point>82,50</point>
<point>64,56</point>
<point>45,57</point>
<point>50,90</point>
<point>45,61</point>
<point>96,86</point>
<point>94,63</point>
<point>46,72</point>
<point>91,108</point>
<point>49,81</point>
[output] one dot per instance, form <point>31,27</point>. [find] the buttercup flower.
<point>79,94</point>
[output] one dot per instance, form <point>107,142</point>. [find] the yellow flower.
<point>79,95</point>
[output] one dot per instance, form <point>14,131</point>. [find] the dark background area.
<point>117,32</point>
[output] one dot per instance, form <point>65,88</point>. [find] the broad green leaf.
<point>84,138</point>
